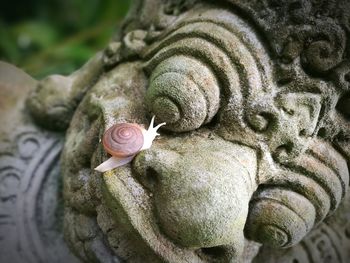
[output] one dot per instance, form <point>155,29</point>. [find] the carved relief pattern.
<point>306,192</point>
<point>238,66</point>
<point>328,242</point>
<point>313,31</point>
<point>28,162</point>
<point>310,36</point>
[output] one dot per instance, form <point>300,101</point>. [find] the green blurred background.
<point>56,36</point>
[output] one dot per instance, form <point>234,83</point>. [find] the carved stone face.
<point>254,148</point>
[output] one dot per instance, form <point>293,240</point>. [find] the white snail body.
<point>124,140</point>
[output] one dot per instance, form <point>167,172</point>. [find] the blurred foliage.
<point>56,36</point>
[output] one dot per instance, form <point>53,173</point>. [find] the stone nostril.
<point>144,170</point>
<point>213,252</point>
<point>303,133</point>
<point>281,152</point>
<point>221,253</point>
<point>151,178</point>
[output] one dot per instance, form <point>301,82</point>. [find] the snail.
<point>124,140</point>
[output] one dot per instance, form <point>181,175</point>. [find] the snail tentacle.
<point>150,134</point>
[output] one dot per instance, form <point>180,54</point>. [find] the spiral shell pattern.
<point>123,140</point>
<point>286,208</point>
<point>208,60</point>
<point>191,96</point>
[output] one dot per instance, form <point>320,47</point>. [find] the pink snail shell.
<point>123,139</point>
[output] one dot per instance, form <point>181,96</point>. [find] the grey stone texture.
<point>252,165</point>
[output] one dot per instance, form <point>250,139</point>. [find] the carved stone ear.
<point>50,104</point>
<point>55,98</point>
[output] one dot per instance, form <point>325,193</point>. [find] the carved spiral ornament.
<point>184,93</point>
<point>200,63</point>
<point>123,139</point>
<point>286,208</point>
<point>326,48</point>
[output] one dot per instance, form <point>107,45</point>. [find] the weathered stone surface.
<point>253,164</point>
<point>31,204</point>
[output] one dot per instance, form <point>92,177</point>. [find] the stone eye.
<point>183,92</point>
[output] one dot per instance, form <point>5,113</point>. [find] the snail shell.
<point>123,139</point>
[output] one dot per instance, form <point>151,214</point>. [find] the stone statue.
<point>251,166</point>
